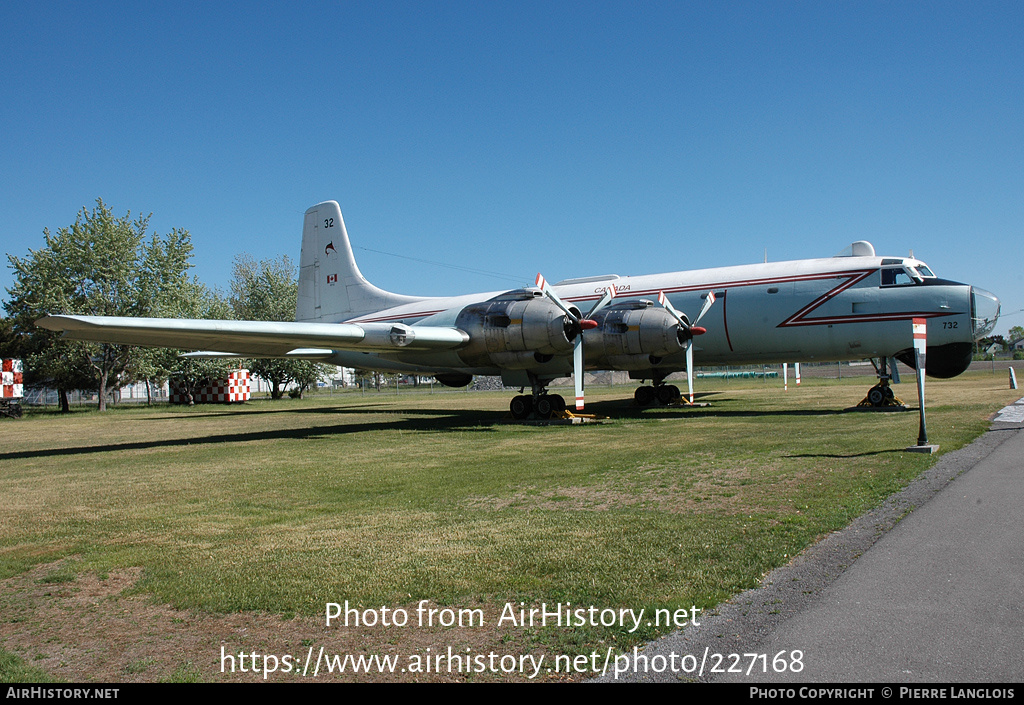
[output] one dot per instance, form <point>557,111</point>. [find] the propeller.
<point>691,330</point>
<point>580,324</point>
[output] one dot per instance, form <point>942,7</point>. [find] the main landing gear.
<point>663,394</point>
<point>881,395</point>
<point>658,393</point>
<point>543,406</point>
<point>539,404</point>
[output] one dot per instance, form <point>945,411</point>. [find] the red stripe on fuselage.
<point>849,277</point>
<point>395,317</point>
<point>865,318</point>
<point>797,318</point>
<point>725,325</point>
<point>736,283</point>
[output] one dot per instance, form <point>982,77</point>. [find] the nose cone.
<point>952,358</point>
<point>984,312</point>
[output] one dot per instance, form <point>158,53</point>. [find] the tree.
<point>49,361</point>
<point>306,373</point>
<point>103,266</point>
<point>374,378</point>
<point>10,342</point>
<point>268,291</point>
<point>1015,334</point>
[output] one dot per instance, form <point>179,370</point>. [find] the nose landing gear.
<point>881,395</point>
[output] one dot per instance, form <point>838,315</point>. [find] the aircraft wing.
<point>255,338</point>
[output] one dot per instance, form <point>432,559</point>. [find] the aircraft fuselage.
<point>829,309</point>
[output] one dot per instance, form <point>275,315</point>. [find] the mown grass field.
<point>272,509</point>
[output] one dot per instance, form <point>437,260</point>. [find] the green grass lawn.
<point>384,499</point>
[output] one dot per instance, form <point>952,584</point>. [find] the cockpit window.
<point>923,270</point>
<point>896,277</point>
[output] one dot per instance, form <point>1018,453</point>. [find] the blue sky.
<point>569,138</point>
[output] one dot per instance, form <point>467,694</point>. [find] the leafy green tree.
<point>48,363</point>
<point>101,265</point>
<point>306,373</point>
<point>268,291</point>
<point>8,339</point>
<point>264,291</point>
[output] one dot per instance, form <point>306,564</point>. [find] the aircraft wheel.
<point>889,394</point>
<point>544,407</point>
<point>644,395</point>
<point>876,396</point>
<point>557,403</point>
<point>667,393</point>
<point>520,406</point>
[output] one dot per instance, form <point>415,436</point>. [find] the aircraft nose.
<point>984,312</point>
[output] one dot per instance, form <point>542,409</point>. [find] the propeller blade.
<point>681,317</point>
<point>542,284</point>
<point>577,370</point>
<point>707,304</point>
<point>689,367</point>
<point>584,324</point>
<point>605,299</point>
<point>691,329</point>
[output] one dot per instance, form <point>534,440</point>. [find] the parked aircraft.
<point>853,306</point>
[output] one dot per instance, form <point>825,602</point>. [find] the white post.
<point>920,350</point>
<point>785,376</point>
<point>796,366</point>
<point>920,332</point>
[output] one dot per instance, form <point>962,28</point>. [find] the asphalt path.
<point>928,588</point>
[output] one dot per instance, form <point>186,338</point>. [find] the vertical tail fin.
<point>331,287</point>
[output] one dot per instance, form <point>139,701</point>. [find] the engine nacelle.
<point>516,330</point>
<point>630,334</point>
<point>454,379</point>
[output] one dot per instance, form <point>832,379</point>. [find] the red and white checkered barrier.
<point>220,391</point>
<point>12,380</point>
